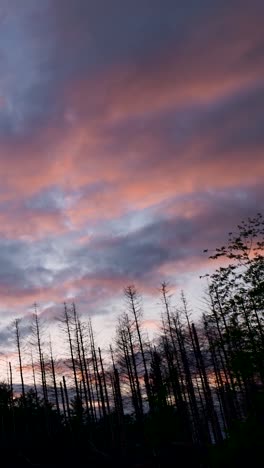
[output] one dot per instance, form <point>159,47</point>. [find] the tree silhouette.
<point>194,394</point>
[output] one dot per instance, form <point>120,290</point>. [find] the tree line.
<point>193,394</point>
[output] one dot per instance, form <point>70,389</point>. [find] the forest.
<point>193,395</point>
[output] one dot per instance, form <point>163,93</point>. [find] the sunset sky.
<point>131,138</point>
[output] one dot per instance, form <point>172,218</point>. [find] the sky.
<point>131,139</point>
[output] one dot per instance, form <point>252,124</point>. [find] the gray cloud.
<point>45,46</point>
<point>96,271</point>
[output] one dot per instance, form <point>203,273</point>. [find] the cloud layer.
<point>131,138</point>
